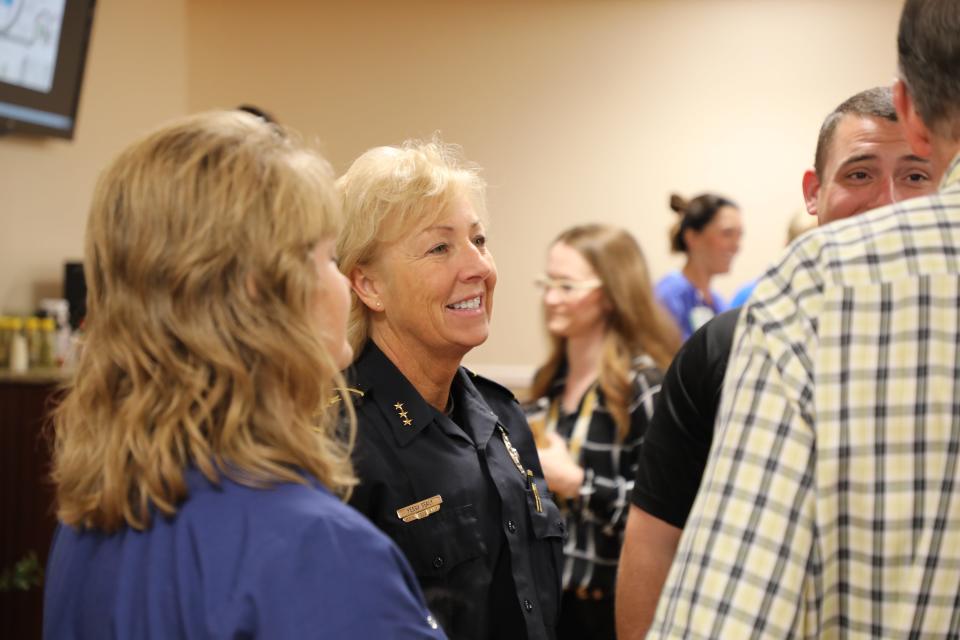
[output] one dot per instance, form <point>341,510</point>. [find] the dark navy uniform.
<point>473,518</point>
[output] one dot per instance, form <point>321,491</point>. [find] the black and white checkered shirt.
<point>831,503</point>
<point>597,517</point>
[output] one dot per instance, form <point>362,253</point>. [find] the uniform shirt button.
<point>511,526</point>
<point>438,562</point>
<point>528,605</point>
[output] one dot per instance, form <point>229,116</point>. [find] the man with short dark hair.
<point>831,501</point>
<point>862,161</point>
<point>859,146</point>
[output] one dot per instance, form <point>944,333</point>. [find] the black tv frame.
<point>24,111</point>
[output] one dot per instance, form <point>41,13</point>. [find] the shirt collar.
<point>474,408</point>
<point>952,174</point>
<point>402,406</point>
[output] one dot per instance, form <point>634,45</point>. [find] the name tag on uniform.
<point>420,510</point>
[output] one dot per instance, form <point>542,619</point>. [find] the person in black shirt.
<point>446,462</point>
<point>862,161</point>
<point>672,460</point>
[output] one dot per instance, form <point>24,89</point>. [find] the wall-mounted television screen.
<point>43,49</point>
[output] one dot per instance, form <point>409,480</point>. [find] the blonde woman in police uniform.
<point>446,461</point>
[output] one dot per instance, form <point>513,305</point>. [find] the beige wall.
<point>577,109</point>
<point>135,77</point>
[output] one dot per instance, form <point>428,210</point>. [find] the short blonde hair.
<point>389,191</point>
<point>200,347</point>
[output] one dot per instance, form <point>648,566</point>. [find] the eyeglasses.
<point>567,288</point>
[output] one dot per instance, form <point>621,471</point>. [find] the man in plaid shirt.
<point>830,505</point>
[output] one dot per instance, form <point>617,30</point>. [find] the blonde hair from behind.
<point>388,192</point>
<point>201,346</point>
<point>636,325</point>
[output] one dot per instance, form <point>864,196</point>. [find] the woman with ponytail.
<point>709,232</point>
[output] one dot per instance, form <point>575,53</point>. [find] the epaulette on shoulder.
<point>491,385</point>
<point>354,394</point>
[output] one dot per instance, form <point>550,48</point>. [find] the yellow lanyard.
<point>580,427</point>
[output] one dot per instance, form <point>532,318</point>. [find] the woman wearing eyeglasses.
<point>610,342</point>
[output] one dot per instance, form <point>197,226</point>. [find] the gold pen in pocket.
<point>536,492</point>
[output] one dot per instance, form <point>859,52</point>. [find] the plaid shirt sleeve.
<point>743,562</point>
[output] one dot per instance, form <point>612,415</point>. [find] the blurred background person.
<point>196,489</point>
<point>800,222</point>
<point>610,341</point>
<point>708,232</point>
<point>832,479</point>
<point>261,113</point>
<point>446,461</point>
<point>862,160</point>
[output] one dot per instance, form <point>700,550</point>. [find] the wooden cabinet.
<point>26,494</point>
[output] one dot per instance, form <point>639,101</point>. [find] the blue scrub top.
<point>683,300</point>
<point>291,561</point>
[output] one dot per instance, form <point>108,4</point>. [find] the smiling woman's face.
<point>716,245</point>
<point>575,305</point>
<point>436,284</point>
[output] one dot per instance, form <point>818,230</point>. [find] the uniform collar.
<point>402,406</point>
<point>474,408</point>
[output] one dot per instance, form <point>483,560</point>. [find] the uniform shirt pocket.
<point>439,543</point>
<point>545,521</point>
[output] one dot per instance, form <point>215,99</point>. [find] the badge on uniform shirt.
<point>420,510</point>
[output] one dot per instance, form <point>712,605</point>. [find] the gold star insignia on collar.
<point>403,414</point>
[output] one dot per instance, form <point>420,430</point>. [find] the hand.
<point>564,476</point>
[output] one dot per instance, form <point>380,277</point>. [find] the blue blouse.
<point>291,561</point>
<point>685,303</point>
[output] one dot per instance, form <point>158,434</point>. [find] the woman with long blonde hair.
<point>196,463</point>
<point>610,341</point>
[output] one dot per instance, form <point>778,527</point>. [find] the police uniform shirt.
<point>483,537</point>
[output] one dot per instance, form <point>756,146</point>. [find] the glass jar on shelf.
<point>6,335</point>
<point>47,349</point>
<point>19,347</point>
